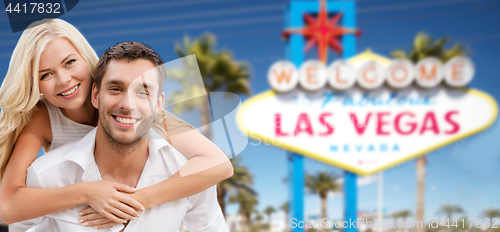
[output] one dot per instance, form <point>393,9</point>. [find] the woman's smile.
<point>70,93</point>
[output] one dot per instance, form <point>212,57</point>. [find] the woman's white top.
<point>64,130</point>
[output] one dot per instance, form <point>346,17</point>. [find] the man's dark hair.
<point>131,51</point>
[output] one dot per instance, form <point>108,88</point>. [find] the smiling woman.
<point>65,80</point>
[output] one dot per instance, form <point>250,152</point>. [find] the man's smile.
<point>125,121</point>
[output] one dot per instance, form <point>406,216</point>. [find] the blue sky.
<point>464,173</point>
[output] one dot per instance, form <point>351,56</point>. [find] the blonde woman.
<point>54,60</point>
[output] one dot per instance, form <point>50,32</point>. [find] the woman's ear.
<point>95,96</point>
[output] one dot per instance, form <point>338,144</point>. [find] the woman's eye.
<point>69,63</point>
<point>44,76</point>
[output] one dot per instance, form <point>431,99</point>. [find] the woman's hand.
<point>105,198</point>
<point>90,217</point>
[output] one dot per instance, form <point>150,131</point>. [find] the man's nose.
<point>127,102</point>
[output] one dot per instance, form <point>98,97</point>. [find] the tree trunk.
<point>323,211</point>
<point>244,225</point>
<point>421,161</point>
<point>286,222</point>
<point>269,220</point>
<point>450,222</point>
<point>221,194</point>
<point>206,118</point>
<point>249,221</point>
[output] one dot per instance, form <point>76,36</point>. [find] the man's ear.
<point>95,96</point>
<point>159,103</point>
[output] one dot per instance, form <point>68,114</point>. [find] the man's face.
<point>128,99</point>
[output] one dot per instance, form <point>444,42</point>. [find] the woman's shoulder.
<point>40,121</point>
<point>40,113</point>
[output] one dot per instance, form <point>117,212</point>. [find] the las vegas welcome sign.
<point>351,115</point>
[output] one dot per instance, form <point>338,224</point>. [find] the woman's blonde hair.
<point>20,93</point>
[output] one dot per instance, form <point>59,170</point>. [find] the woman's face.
<point>64,77</point>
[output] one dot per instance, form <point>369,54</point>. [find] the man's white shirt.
<point>74,162</point>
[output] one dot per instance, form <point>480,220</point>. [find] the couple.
<point>105,167</point>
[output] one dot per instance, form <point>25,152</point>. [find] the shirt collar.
<point>156,143</point>
<point>83,153</point>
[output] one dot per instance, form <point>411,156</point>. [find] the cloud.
<point>333,194</point>
<point>363,180</point>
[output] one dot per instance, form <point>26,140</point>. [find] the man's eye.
<point>144,93</point>
<point>114,89</point>
<point>46,75</point>
<point>69,63</point>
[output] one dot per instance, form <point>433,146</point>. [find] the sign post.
<point>296,183</point>
<point>351,200</point>
<point>295,54</point>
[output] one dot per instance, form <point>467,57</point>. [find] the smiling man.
<point>128,95</point>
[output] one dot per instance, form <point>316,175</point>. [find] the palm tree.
<point>285,208</point>
<point>321,184</point>
<point>421,162</point>
<point>258,218</point>
<point>462,222</point>
<point>219,72</point>
<point>404,214</point>
<point>423,47</point>
<point>396,216</point>
<point>449,210</point>
<point>247,202</point>
<point>491,213</point>
<point>269,210</point>
<point>242,179</point>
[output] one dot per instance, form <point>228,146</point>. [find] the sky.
<point>464,173</point>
